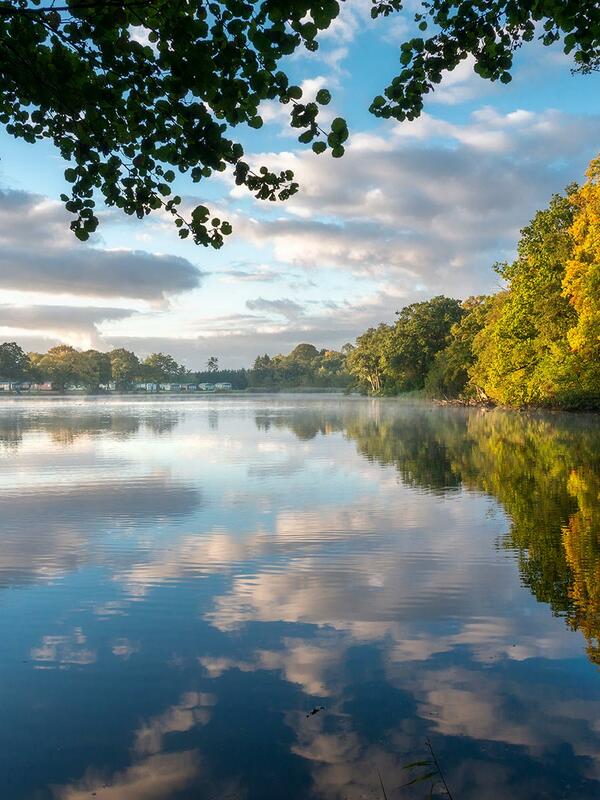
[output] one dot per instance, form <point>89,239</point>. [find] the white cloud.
<point>412,210</point>
<point>461,85</point>
<point>284,307</point>
<point>278,113</point>
<point>192,710</point>
<point>430,203</point>
<point>63,651</point>
<point>39,253</point>
<point>76,324</point>
<point>150,779</point>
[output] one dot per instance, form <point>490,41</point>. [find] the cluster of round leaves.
<point>133,92</point>
<point>489,31</point>
<point>130,112</point>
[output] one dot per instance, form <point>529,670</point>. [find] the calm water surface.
<point>181,583</point>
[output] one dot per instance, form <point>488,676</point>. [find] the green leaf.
<point>200,214</point>
<point>323,97</point>
<point>338,125</point>
<point>319,147</point>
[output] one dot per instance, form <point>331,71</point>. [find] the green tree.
<point>34,361</point>
<point>522,354</point>
<point>129,114</point>
<point>421,330</point>
<point>162,367</point>
<point>125,366</point>
<point>581,284</point>
<point>14,363</point>
<point>367,361</point>
<point>304,366</point>
<point>61,365</point>
<point>448,376</point>
<point>304,353</point>
<point>262,371</point>
<point>329,369</point>
<point>93,368</point>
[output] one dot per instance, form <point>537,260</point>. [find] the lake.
<point>284,597</point>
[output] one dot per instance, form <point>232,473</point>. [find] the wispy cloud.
<point>283,307</point>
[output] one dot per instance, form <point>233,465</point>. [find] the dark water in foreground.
<point>182,582</point>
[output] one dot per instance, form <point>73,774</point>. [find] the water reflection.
<point>194,577</point>
<point>545,473</point>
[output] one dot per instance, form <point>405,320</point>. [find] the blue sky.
<point>411,211</point>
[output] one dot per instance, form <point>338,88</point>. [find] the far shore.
<point>163,395</point>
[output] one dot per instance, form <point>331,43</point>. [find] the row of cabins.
<point>7,385</point>
<point>183,387</point>
<point>17,387</point>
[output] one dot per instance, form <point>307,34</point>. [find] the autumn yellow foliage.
<point>581,283</point>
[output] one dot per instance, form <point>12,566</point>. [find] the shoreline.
<point>488,406</point>
<point>338,393</point>
<point>219,393</point>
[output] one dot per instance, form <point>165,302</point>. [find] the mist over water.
<point>182,582</point>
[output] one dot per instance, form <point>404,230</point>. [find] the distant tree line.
<point>305,366</point>
<point>536,342</point>
<point>64,366</point>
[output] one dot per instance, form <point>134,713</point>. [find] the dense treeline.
<point>65,367</point>
<point>304,366</point>
<point>536,342</point>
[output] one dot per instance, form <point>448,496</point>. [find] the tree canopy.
<point>68,368</point>
<point>535,342</point>
<point>132,92</point>
<point>448,375</point>
<point>304,366</point>
<point>125,366</point>
<point>522,353</point>
<point>392,358</point>
<point>162,367</point>
<point>14,363</point>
